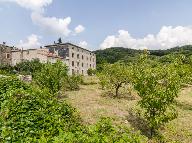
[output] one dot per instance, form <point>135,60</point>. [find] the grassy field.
<point>92,104</point>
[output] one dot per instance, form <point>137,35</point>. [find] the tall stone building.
<point>78,59</point>
<point>5,54</point>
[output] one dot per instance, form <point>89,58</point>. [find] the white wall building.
<point>78,59</point>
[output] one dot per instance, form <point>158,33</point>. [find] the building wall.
<point>5,55</point>
<point>20,55</point>
<point>16,57</point>
<point>78,60</point>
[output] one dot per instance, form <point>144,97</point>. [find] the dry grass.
<point>92,105</point>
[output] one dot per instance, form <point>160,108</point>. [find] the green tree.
<point>113,76</point>
<point>158,87</point>
<point>29,67</point>
<point>52,76</point>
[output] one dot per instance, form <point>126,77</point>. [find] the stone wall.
<point>20,55</point>
<point>5,54</point>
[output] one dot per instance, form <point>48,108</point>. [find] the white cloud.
<point>52,25</point>
<point>34,5</point>
<point>31,43</point>
<point>167,37</point>
<point>83,44</point>
<point>79,29</point>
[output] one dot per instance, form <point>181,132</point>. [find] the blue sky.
<point>153,24</point>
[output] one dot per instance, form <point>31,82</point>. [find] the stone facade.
<point>78,59</point>
<point>30,54</point>
<point>5,54</point>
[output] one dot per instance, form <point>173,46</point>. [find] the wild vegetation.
<point>115,54</point>
<point>156,83</point>
<point>48,110</point>
<point>35,112</point>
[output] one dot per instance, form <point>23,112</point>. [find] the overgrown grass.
<point>92,105</point>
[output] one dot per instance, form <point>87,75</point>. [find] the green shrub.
<point>6,70</point>
<point>91,72</point>
<point>101,132</point>
<point>11,83</point>
<point>52,76</point>
<point>32,113</point>
<point>73,82</point>
<point>28,67</point>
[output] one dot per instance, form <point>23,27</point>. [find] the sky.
<point>97,24</point>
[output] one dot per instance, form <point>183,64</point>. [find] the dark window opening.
<point>7,56</point>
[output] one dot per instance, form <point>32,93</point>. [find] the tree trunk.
<point>117,90</point>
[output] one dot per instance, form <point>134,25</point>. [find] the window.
<point>78,64</point>
<point>77,56</point>
<point>7,56</point>
<point>82,64</point>
<point>77,71</point>
<point>87,58</point>
<point>90,59</point>
<point>73,63</point>
<point>82,57</point>
<point>72,55</point>
<point>90,65</point>
<point>82,72</point>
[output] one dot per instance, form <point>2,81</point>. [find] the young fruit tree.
<point>158,87</point>
<point>52,76</point>
<point>113,76</point>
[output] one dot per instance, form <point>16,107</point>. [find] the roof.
<point>18,50</point>
<point>68,44</point>
<point>3,45</point>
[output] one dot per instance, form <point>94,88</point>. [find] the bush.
<point>101,132</point>
<point>6,69</point>
<point>11,83</point>
<point>52,76</point>
<point>91,72</point>
<point>73,82</point>
<point>29,67</point>
<point>29,113</point>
